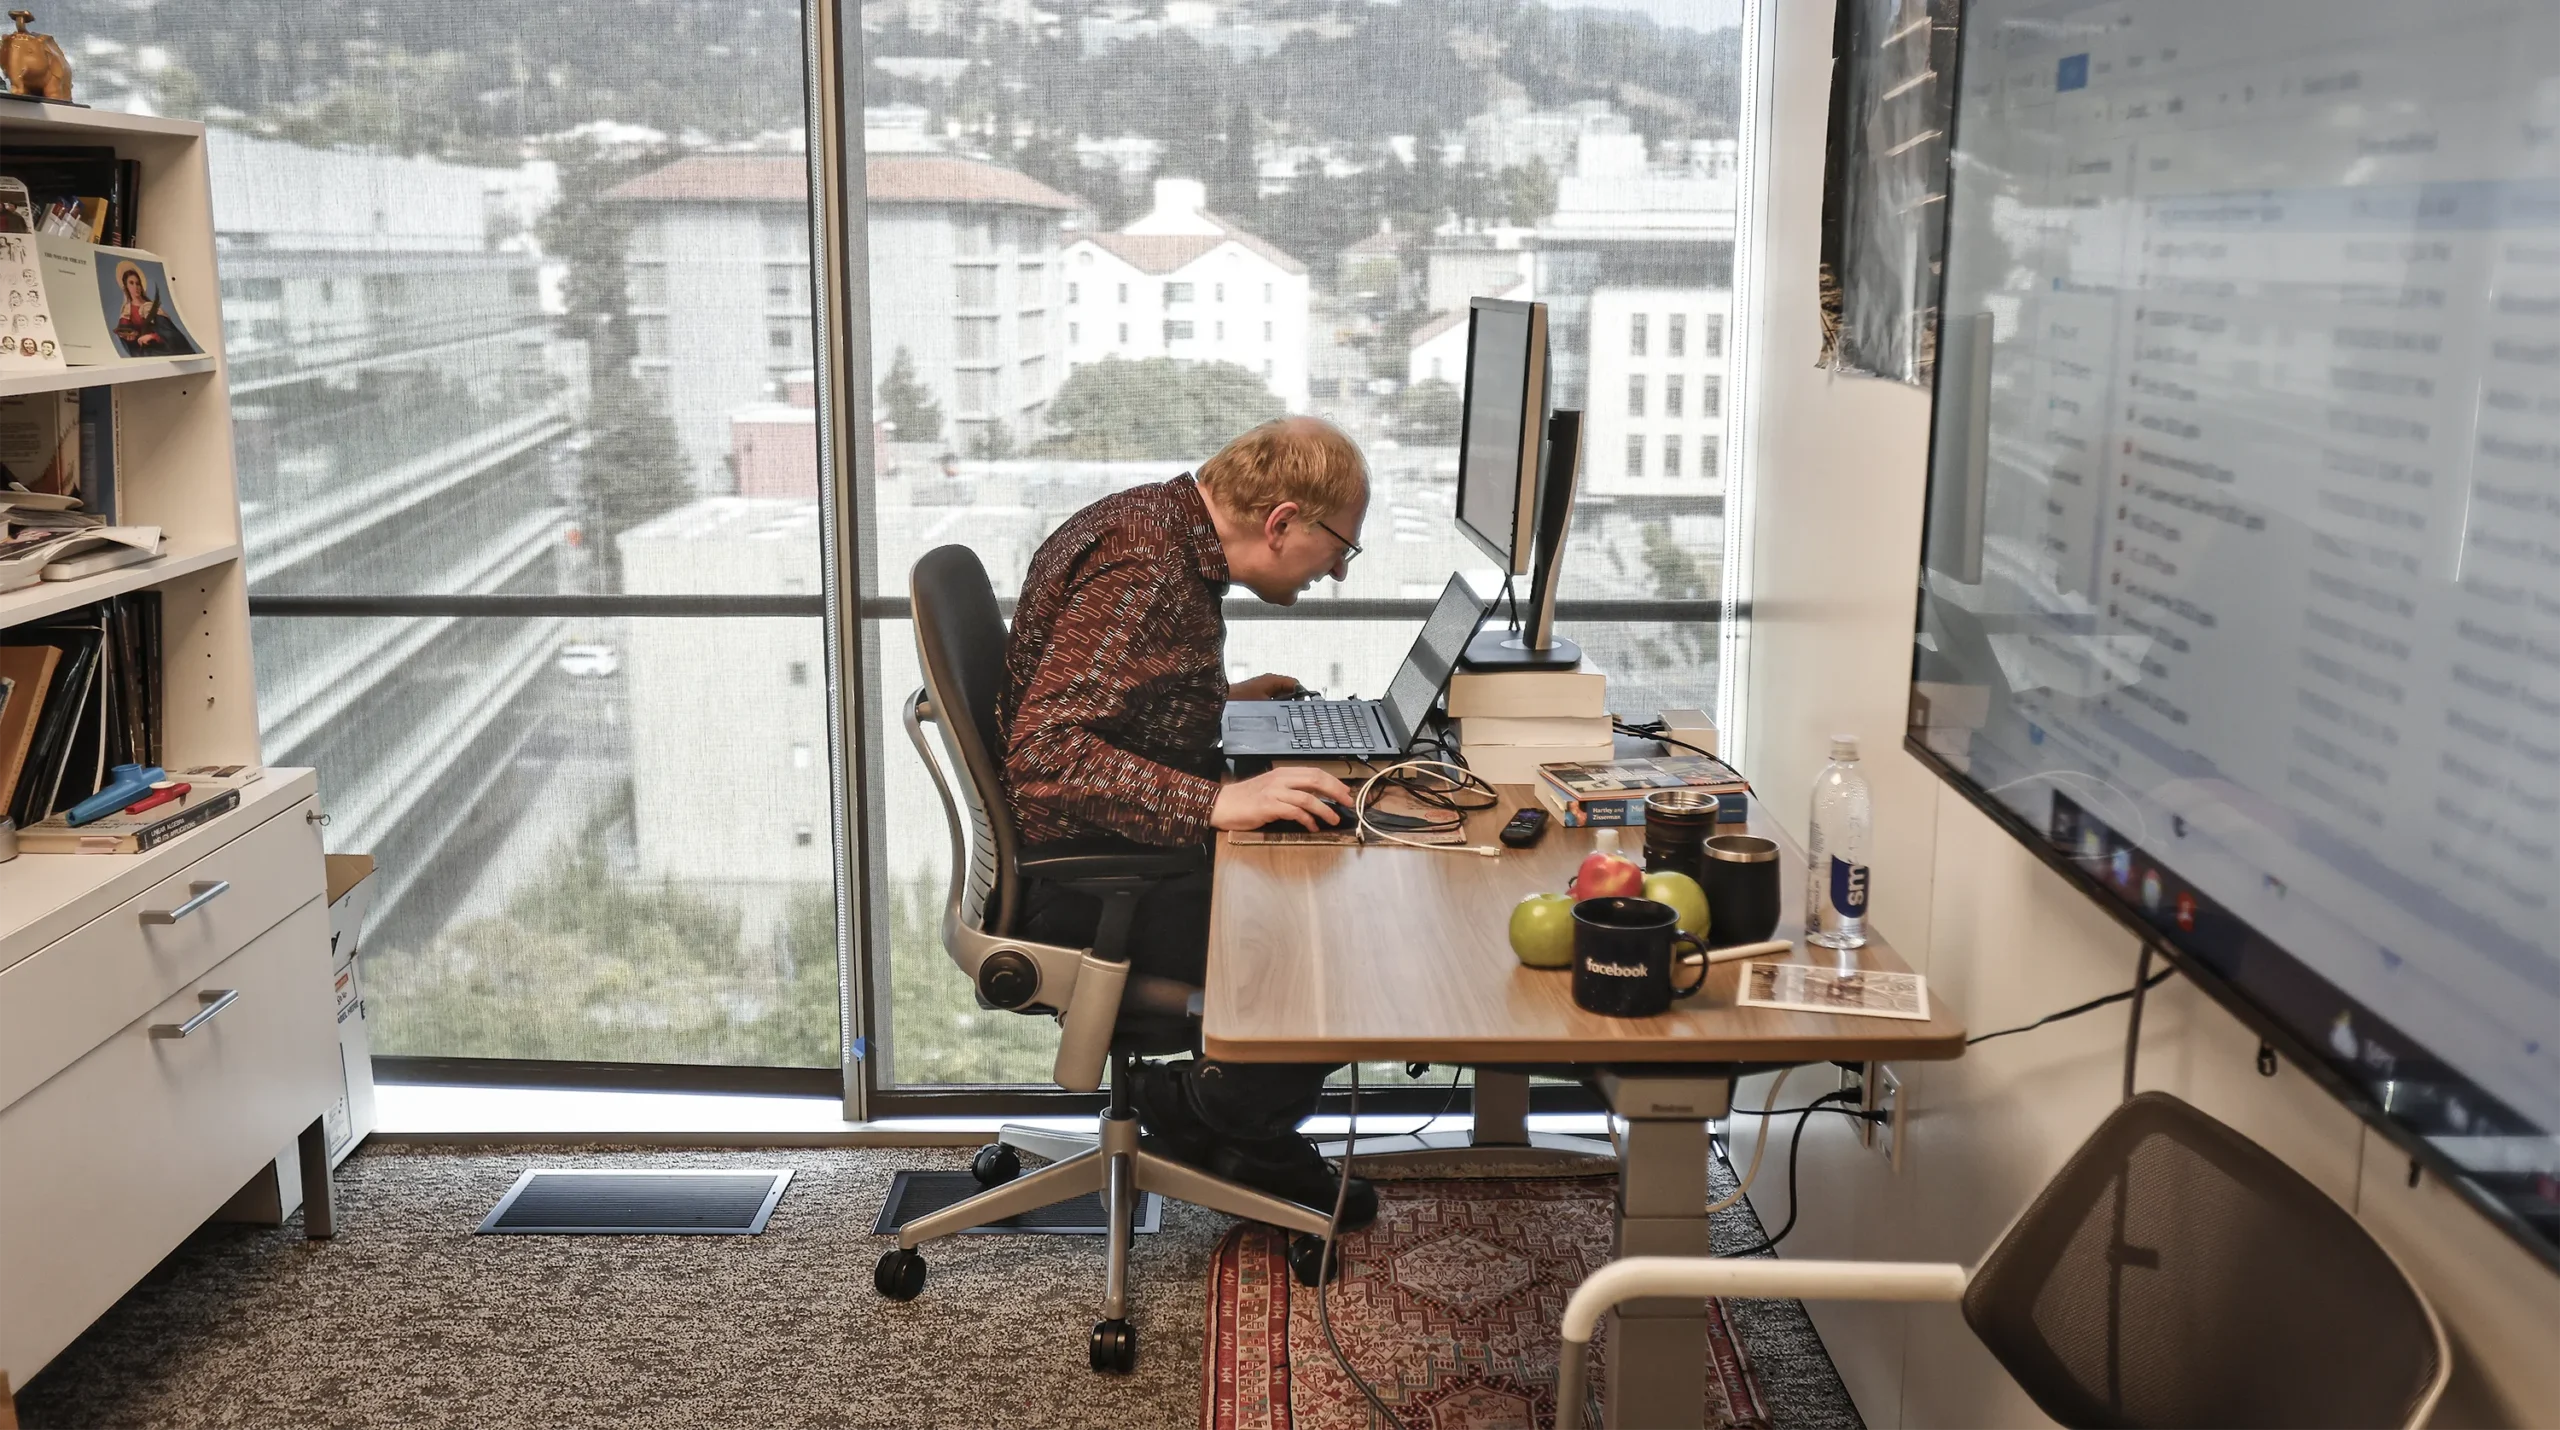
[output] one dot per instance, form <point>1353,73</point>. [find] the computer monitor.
<point>1516,468</point>
<point>1503,428</point>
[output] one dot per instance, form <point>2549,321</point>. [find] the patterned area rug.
<point>1448,1304</point>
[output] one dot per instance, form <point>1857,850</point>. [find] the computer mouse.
<point>1290,826</point>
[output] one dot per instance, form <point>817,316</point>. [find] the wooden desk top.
<point>1331,953</point>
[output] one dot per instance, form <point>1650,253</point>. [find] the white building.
<point>1636,266</point>
<point>1183,283</point>
<point>1656,407</point>
<point>1485,263</point>
<point>1513,135</point>
<point>718,273</point>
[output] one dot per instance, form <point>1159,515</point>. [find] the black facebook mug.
<point>1624,953</point>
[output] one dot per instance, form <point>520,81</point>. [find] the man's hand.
<point>1264,687</point>
<point>1293,792</point>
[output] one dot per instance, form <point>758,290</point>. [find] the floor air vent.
<point>728,1202</point>
<point>916,1194</point>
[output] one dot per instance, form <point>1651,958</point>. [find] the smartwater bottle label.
<point>1848,888</point>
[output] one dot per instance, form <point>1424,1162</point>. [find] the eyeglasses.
<point>1350,548</point>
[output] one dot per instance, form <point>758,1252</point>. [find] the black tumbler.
<point>1676,824</point>
<point>1742,889</point>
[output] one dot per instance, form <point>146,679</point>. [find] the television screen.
<point>2240,599</point>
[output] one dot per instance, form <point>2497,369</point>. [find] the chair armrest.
<point>1068,862</point>
<point>1700,1276</point>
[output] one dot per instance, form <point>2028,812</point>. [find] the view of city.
<point>518,305</point>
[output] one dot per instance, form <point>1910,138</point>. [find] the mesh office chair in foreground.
<point>1107,1015</point>
<point>2173,1273</point>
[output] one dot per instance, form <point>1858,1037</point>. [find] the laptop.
<point>1363,729</point>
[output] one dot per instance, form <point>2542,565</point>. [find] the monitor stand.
<point>1510,650</point>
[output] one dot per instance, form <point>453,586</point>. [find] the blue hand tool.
<point>127,784</point>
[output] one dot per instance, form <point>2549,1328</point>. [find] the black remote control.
<point>1527,827</point>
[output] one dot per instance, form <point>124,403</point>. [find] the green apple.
<point>1542,930</point>
<point>1669,886</point>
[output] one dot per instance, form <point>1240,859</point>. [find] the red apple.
<point>1608,876</point>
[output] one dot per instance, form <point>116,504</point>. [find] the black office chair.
<point>2172,1273</point>
<point>1108,1017</point>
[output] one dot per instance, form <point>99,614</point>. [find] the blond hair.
<point>1288,459</point>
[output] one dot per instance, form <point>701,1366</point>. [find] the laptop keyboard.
<point>1328,725</point>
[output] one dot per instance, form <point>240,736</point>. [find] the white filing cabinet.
<point>118,1139</point>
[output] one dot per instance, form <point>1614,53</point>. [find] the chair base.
<point>1113,1164</point>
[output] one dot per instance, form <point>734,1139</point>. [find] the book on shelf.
<point>1606,792</point>
<point>1519,764</point>
<point>1480,731</point>
<point>58,453</point>
<point>27,671</point>
<point>213,791</point>
<point>27,341</point>
<point>1525,694</point>
<point>1627,811</point>
<point>96,685</point>
<point>31,554</point>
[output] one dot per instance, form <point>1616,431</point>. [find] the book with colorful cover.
<point>1611,793</point>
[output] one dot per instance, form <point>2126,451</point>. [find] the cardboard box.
<point>351,890</point>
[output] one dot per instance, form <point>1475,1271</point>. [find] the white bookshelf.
<point>145,1135</point>
<point>149,370</point>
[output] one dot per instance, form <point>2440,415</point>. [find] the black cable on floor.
<point>1324,1264</point>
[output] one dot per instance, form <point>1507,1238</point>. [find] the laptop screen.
<point>1435,653</point>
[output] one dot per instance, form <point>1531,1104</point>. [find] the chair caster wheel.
<point>900,1275</point>
<point>1306,1258</point>
<point>1115,1347</point>
<point>995,1165</point>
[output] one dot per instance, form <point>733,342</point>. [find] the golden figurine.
<point>34,64</point>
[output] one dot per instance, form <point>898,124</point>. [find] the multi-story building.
<point>1636,252</point>
<point>718,275</point>
<point>1183,283</point>
<point>1656,392</point>
<point>402,416</point>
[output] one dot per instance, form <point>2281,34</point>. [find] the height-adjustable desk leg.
<point>1658,1346</point>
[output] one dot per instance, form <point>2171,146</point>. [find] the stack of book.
<point>1602,793</point>
<point>1511,722</point>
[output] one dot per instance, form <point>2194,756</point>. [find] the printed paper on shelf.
<point>28,342</point>
<point>112,305</point>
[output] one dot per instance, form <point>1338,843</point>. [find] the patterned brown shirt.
<point>1115,673</point>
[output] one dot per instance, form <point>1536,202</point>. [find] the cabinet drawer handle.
<point>214,1001</point>
<point>205,892</point>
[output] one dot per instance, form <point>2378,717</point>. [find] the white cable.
<point>1759,1148</point>
<point>1463,778</point>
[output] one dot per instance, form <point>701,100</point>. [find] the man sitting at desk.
<point>1115,682</point>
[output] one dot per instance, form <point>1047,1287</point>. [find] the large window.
<point>529,489</point>
<point>1306,196</point>
<point>528,442</point>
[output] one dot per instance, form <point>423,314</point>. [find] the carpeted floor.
<point>406,1319</point>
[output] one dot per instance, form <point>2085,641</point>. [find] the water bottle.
<point>1835,896</point>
